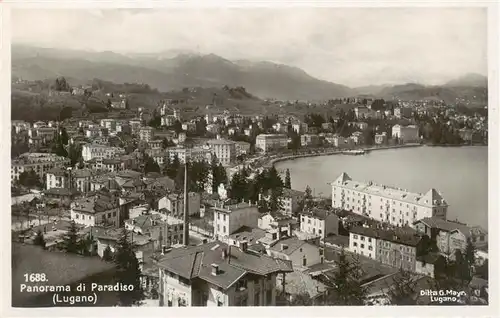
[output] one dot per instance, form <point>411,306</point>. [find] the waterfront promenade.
<point>268,161</point>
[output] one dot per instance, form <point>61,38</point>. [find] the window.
<point>304,261</point>
<point>77,215</point>
<point>224,229</point>
<point>369,240</point>
<point>354,244</point>
<point>370,248</point>
<point>241,284</point>
<point>362,238</point>
<point>362,245</point>
<point>354,236</point>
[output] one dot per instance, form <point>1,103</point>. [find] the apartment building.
<point>97,210</point>
<point>290,201</point>
<point>216,274</point>
<point>57,178</point>
<point>98,151</point>
<point>360,242</point>
<point>109,124</point>
<point>319,222</point>
<point>37,162</point>
<point>110,165</point>
<point>82,179</point>
<point>271,142</point>
<point>163,230</point>
<point>403,112</point>
<point>224,150</point>
<point>146,133</point>
<point>386,204</point>
<point>309,140</point>
<point>228,219</point>
<point>393,247</point>
<point>406,133</point>
<point>135,125</point>
<point>173,203</point>
<point>192,154</point>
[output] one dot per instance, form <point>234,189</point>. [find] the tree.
<point>58,148</point>
<point>107,254</point>
<point>63,136</point>
<point>403,289</point>
<point>167,143</point>
<point>470,256</point>
<point>308,198</point>
<point>219,174</point>
<point>275,202</point>
<point>288,180</point>
<point>29,179</point>
<point>171,168</point>
<point>127,271</point>
<point>151,165</point>
<point>70,243</point>
<point>39,239</point>
<point>75,154</point>
<point>347,289</point>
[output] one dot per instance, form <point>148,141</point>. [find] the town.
<point>189,209</point>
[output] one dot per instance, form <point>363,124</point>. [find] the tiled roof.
<point>290,192</point>
<point>318,213</point>
<point>444,225</point>
<point>252,235</point>
<point>292,244</point>
<point>145,221</point>
<point>196,262</point>
<point>405,236</point>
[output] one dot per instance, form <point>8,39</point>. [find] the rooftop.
<point>232,263</point>
<point>405,236</point>
<point>429,199</point>
<point>290,245</point>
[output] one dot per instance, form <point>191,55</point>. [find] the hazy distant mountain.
<point>477,96</point>
<point>471,79</point>
<point>264,79</point>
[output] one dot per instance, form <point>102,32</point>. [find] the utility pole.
<point>186,215</point>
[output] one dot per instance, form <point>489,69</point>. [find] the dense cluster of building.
<point>237,255</point>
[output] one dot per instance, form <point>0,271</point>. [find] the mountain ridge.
<point>176,69</point>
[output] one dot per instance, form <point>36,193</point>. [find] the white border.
<point>493,171</point>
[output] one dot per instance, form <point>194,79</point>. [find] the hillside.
<point>264,79</point>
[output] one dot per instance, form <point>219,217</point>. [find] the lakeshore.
<point>338,152</point>
<point>414,168</point>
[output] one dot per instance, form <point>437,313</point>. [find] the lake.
<point>459,173</point>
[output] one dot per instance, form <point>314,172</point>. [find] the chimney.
<point>163,250</point>
<point>215,269</point>
<point>243,246</point>
<point>186,216</point>
<point>284,247</point>
<point>224,254</point>
<point>289,230</point>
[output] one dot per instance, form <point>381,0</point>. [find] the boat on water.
<point>353,152</point>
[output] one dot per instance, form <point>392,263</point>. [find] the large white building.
<point>224,150</point>
<point>406,133</point>
<point>228,219</point>
<point>193,154</point>
<point>386,204</point>
<point>270,142</point>
<point>91,151</point>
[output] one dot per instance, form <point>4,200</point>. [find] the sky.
<point>350,46</point>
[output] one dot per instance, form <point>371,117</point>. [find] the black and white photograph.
<point>251,156</point>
